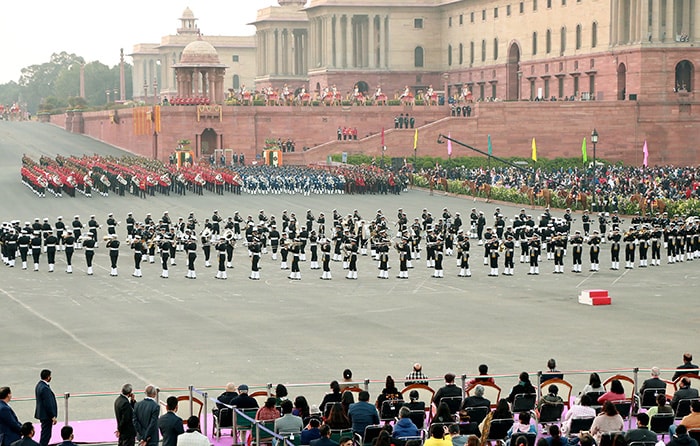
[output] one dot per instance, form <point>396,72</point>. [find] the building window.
<point>578,37</point>
<point>481,92</point>
<point>471,17</point>
<point>236,82</point>
<point>562,44</point>
<point>494,90</point>
<point>534,43</point>
<point>546,88</point>
<point>495,49</point>
<point>591,86</point>
<point>522,7</point>
<point>561,87</point>
<point>461,19</point>
<point>471,53</point>
<point>594,35</point>
<point>483,50</point>
<point>563,2</point>
<point>495,13</point>
<point>235,58</point>
<point>461,54</point>
<point>533,93</point>
<point>549,4</point>
<point>418,56</point>
<point>534,5</point>
<point>575,86</point>
<point>449,22</point>
<point>418,23</point>
<point>449,55</point>
<point>548,41</point>
<point>508,10</point>
<point>483,14</point>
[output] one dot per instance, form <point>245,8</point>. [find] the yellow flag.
<point>534,150</point>
<point>415,140</point>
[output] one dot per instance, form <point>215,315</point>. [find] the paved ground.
<point>97,332</point>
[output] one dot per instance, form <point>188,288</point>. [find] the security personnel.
<point>69,246</point>
<point>191,252</point>
<point>89,245</point>
<point>113,246</point>
<point>139,249</point>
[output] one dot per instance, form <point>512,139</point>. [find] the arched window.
<point>684,76</point>
<point>449,55</point>
<point>483,50</point>
<point>594,35</point>
<point>562,44</point>
<point>418,56</point>
<point>461,53</point>
<point>548,41</point>
<point>578,37</point>
<point>534,43</point>
<point>236,82</point>
<point>495,49</point>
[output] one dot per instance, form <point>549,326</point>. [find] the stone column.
<point>655,20</point>
<point>695,32</point>
<point>381,41</point>
<point>348,41</point>
<point>685,28</point>
<point>670,29</point>
<point>621,25</point>
<point>387,41</point>
<point>371,49</point>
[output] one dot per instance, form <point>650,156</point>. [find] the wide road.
<point>98,332</point>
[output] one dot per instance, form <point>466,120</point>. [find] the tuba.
<point>104,180</point>
<point>165,178</point>
<point>228,235</point>
<point>199,179</point>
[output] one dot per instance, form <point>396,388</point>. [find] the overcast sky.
<point>30,31</point>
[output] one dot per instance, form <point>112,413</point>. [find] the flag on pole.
<point>583,150</point>
<point>646,153</point>
<point>415,140</point>
<point>449,144</point>
<point>534,150</point>
<point>490,146</point>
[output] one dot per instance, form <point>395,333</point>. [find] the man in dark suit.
<point>325,439</point>
<point>642,433</point>
<point>67,436</point>
<point>27,431</point>
<point>46,408</point>
<point>124,412</point>
<point>146,414</point>
<point>10,427</point>
<point>169,424</point>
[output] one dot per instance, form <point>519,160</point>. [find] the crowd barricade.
<point>73,410</point>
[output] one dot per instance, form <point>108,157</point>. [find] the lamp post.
<point>594,140</point>
<point>145,92</point>
<point>108,92</point>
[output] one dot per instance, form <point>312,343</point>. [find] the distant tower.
<point>299,3</point>
<point>122,79</point>
<point>188,23</point>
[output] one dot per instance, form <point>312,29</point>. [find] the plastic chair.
<point>524,402</point>
<point>660,423</point>
<point>389,409</point>
<point>197,406</point>
<point>243,424</point>
<point>608,438</point>
<point>337,434</point>
<point>371,432</point>
<point>648,398</point>
<point>491,392</point>
<point>565,389</point>
<point>223,419</point>
<point>260,436</point>
<point>499,428</point>
<point>683,408</point>
<point>623,407</point>
<point>579,424</point>
<point>530,436</point>
<point>293,437</point>
<point>418,418</point>
<point>453,402</point>
<point>550,413</point>
<point>477,414</point>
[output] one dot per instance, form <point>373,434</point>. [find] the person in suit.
<point>67,436</point>
<point>325,439</point>
<point>46,408</point>
<point>124,412</point>
<point>27,432</point>
<point>642,433</point>
<point>169,424</point>
<point>146,414</point>
<point>10,427</point>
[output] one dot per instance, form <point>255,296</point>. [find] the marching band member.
<point>89,245</point>
<point>630,239</point>
<point>493,255</point>
<point>36,249</point>
<point>69,248</point>
<point>77,226</point>
<point>113,246</point>
<point>221,250</point>
<point>50,245</point>
<point>295,274</point>
<point>615,238</point>
<point>509,251</point>
<point>404,250</point>
<point>206,247</point>
<point>383,251</point>
<point>111,224</point>
<point>534,253</point>
<point>137,246</point>
<point>643,237</point>
<point>313,247</point>
<point>656,237</point>
<point>463,246</point>
<point>23,243</point>
<point>594,252</point>
<point>130,225</point>
<point>60,229</point>
<point>190,246</point>
<point>577,251</point>
<point>438,254</point>
<point>352,250</point>
<point>274,237</point>
<point>254,248</point>
<point>559,248</point>
<point>326,258</point>
<point>164,244</point>
<point>284,251</point>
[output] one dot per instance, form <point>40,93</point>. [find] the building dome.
<point>199,52</point>
<point>187,14</point>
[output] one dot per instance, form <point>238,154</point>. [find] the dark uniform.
<point>221,250</point>
<point>594,252</point>
<point>326,259</point>
<point>139,249</point>
<point>615,238</point>
<point>69,246</point>
<point>165,247</point>
<point>113,246</point>
<point>576,251</point>
<point>89,245</point>
<point>191,252</point>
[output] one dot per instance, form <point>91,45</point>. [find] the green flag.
<point>490,146</point>
<point>583,150</point>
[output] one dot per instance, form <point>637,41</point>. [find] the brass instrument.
<point>228,235</point>
<point>107,237</point>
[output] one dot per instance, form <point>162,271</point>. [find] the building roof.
<point>199,52</point>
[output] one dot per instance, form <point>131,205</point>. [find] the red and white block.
<point>594,297</point>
